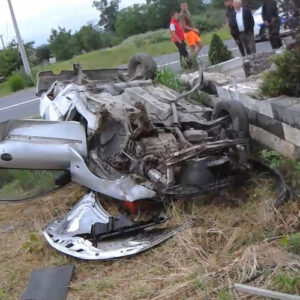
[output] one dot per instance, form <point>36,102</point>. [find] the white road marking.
<point>168,64</point>
<point>19,104</point>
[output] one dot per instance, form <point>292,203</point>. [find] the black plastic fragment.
<point>122,225</point>
<point>49,283</point>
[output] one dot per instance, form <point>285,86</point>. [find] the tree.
<point>108,13</point>
<point>217,3</point>
<point>87,39</point>
<point>43,53</point>
<point>165,7</point>
<point>252,4</point>
<point>61,43</point>
<point>137,19</point>
<point>10,61</point>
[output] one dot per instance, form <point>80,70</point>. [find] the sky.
<point>36,17</point>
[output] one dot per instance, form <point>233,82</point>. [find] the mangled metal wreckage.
<point>119,134</point>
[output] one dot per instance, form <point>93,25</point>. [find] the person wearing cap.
<point>177,36</point>
<point>191,34</point>
<point>272,22</point>
<point>242,28</point>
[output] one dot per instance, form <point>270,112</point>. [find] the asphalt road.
<point>25,104</point>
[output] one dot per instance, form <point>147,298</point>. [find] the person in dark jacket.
<point>272,22</point>
<point>241,25</point>
<point>230,14</point>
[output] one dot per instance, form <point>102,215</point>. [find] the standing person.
<point>177,36</point>
<point>191,33</point>
<point>242,26</point>
<point>272,22</point>
<point>230,16</point>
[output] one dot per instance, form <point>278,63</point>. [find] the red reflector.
<point>133,207</point>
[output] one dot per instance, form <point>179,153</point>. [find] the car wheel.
<point>142,66</point>
<point>264,33</point>
<point>237,122</point>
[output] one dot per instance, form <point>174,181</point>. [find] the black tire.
<point>238,116</point>
<point>142,65</point>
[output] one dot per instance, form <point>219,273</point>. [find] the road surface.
<point>25,104</point>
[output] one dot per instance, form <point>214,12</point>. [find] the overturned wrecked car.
<point>120,134</point>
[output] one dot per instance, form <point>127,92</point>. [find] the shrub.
<point>285,80</point>
<point>27,79</point>
<point>218,52</point>
<point>16,82</point>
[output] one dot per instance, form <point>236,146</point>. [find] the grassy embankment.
<point>154,43</point>
<point>4,89</point>
<point>238,236</point>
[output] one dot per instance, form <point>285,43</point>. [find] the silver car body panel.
<point>65,235</point>
<point>38,144</point>
<point>124,188</point>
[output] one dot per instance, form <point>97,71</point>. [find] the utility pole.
<point>20,42</point>
<point>3,45</point>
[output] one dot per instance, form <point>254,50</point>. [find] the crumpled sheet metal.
<point>66,235</point>
<point>124,188</point>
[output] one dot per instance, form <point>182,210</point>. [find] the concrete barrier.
<point>275,122</point>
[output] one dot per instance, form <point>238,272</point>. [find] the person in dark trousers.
<point>272,22</point>
<point>230,12</point>
<point>177,36</point>
<point>241,24</point>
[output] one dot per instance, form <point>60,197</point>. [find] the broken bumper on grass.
<point>74,236</point>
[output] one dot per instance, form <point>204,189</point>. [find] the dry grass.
<point>235,239</point>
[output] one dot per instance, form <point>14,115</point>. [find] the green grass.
<point>5,89</point>
<point>289,282</point>
<point>21,184</point>
<point>169,78</point>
